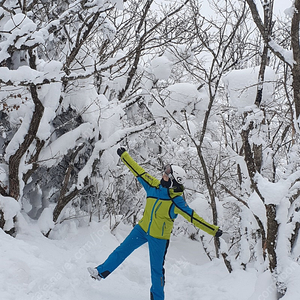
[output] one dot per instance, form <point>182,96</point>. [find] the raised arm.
<point>143,177</point>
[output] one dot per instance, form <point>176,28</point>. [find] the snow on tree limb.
<point>53,153</point>
<point>10,208</point>
<point>114,139</point>
<point>276,49</point>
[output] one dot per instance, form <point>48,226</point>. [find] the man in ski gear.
<point>164,203</point>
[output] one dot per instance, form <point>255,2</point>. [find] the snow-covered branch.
<point>100,146</point>
<point>283,54</point>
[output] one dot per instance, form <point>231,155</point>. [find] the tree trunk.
<point>62,203</point>
<point>2,220</point>
<point>296,53</point>
<point>272,232</point>
<point>294,45</point>
<point>264,58</point>
<point>258,153</point>
<point>65,198</point>
<point>212,198</point>
<point>248,153</point>
<point>15,159</point>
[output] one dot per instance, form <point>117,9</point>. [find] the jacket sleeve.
<point>143,177</point>
<point>182,208</point>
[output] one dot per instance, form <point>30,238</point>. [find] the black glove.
<point>120,151</point>
<point>219,233</point>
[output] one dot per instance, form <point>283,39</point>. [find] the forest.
<point>212,86</point>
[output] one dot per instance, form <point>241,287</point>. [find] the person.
<point>164,203</point>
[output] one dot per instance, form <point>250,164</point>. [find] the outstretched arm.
<point>182,208</point>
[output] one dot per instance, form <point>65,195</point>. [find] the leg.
<point>158,250</point>
<point>135,239</point>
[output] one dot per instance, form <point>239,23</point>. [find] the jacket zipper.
<point>151,217</point>
<point>157,208</point>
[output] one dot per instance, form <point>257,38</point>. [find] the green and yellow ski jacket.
<point>163,205</point>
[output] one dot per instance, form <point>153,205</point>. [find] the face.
<point>165,177</point>
<point>166,181</point>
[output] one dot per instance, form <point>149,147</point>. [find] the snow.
<point>34,267</point>
<point>20,22</point>
<point>57,149</point>
<point>10,208</point>
<point>45,221</point>
<point>3,175</point>
<point>161,67</point>
<point>19,30</point>
<point>49,95</point>
<point>182,96</point>
<point>24,73</point>
<point>118,3</point>
<point>289,12</point>
<point>265,288</point>
<point>105,145</point>
<point>287,54</point>
<point>257,207</point>
<point>292,274</point>
<point>273,193</point>
<point>242,86</point>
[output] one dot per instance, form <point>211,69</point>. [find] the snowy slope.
<point>34,267</point>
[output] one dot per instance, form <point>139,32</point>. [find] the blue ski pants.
<point>157,252</point>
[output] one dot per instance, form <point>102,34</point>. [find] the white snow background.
<point>34,267</point>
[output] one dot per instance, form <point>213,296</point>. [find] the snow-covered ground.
<point>34,267</point>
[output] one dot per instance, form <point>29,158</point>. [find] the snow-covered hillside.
<point>34,267</point>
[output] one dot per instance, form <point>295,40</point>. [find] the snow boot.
<point>94,273</point>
